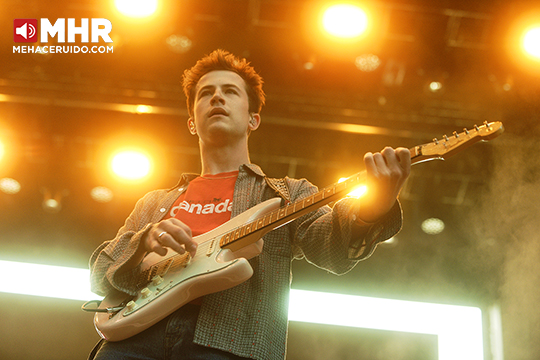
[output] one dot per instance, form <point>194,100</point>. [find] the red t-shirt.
<point>207,202</point>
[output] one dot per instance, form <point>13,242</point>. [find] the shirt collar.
<point>250,168</point>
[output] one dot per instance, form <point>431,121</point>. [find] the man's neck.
<point>216,160</point>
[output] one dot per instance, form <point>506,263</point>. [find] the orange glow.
<point>356,192</point>
<point>523,41</point>
<point>136,8</point>
<point>340,29</point>
<point>131,164</point>
<point>345,21</point>
<point>8,154</point>
<point>531,42</point>
<point>129,161</point>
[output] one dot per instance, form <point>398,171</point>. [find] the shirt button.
<point>162,210</point>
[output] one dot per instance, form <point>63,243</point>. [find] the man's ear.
<point>254,121</point>
<point>191,126</point>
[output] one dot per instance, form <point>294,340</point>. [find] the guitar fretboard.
<point>283,215</point>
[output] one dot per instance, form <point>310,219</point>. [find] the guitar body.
<point>182,279</point>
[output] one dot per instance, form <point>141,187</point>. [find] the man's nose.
<point>217,98</point>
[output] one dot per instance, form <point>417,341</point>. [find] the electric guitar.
<point>221,262</point>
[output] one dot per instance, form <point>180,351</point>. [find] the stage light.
<point>143,109</point>
<point>523,41</point>
<point>136,8</point>
<point>45,280</point>
<point>179,44</point>
<point>356,192</point>
<point>9,186</point>
<point>458,328</point>
<point>433,226</point>
<point>531,42</point>
<point>308,65</point>
<point>435,86</point>
<point>368,62</point>
<point>101,194</point>
<point>131,165</point>
<point>345,21</point>
<point>53,204</point>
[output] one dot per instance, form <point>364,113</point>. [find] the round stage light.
<point>367,62</point>
<point>101,194</point>
<point>433,226</point>
<point>531,42</point>
<point>435,86</point>
<point>136,8</point>
<point>51,206</point>
<point>9,186</point>
<point>345,21</point>
<point>131,165</point>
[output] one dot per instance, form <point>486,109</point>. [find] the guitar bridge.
<point>186,260</point>
<point>212,247</point>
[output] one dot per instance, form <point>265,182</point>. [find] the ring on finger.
<point>161,234</point>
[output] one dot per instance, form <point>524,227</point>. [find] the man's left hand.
<point>387,172</point>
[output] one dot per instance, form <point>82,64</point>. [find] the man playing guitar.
<point>232,320</point>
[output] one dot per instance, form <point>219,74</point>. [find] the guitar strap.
<point>280,187</point>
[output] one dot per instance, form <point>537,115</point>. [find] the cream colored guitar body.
<point>179,279</point>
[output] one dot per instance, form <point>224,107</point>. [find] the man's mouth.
<point>217,111</point>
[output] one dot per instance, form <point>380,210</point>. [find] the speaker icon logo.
<point>25,30</point>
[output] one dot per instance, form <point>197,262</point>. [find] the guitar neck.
<point>242,236</point>
<point>292,211</point>
<point>438,149</point>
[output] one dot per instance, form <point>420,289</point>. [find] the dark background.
<point>60,114</point>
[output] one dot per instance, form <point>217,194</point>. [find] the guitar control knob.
<point>157,280</point>
<point>131,305</point>
<point>146,292</point>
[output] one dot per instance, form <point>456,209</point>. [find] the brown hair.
<point>223,60</point>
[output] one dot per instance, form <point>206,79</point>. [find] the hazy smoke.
<point>509,220</point>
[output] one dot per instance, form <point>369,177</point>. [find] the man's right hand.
<point>170,233</point>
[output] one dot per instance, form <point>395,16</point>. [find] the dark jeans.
<point>171,338</point>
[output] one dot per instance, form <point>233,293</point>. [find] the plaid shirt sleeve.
<point>330,238</point>
<point>107,261</point>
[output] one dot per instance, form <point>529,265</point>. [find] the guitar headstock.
<point>450,145</point>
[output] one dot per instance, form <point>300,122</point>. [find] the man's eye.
<point>231,91</point>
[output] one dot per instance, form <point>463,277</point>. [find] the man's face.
<point>221,107</point>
